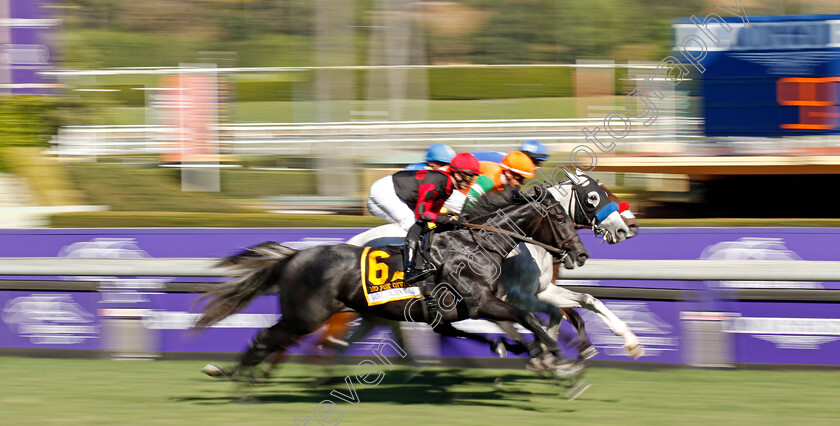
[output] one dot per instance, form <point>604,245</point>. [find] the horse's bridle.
<point>576,198</point>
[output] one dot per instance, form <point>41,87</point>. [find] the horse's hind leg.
<point>275,339</point>
<point>274,360</point>
<point>502,347</point>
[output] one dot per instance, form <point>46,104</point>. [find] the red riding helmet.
<point>465,163</point>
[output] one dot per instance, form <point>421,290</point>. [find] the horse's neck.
<point>563,192</point>
<point>509,220</point>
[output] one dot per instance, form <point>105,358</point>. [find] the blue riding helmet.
<point>494,156</point>
<point>440,153</point>
<point>535,150</point>
<point>417,166</point>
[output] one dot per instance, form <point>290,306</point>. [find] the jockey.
<point>425,192</point>
<point>536,151</point>
<point>515,167</point>
<point>410,196</point>
<point>437,155</point>
<point>510,171</point>
<point>494,156</point>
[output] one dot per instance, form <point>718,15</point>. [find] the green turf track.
<point>49,391</point>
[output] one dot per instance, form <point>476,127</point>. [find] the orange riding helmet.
<point>519,163</point>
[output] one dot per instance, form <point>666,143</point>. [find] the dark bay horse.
<point>317,282</point>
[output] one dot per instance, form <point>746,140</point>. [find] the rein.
<point>558,251</point>
<point>520,237</point>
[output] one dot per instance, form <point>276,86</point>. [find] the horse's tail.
<point>255,270</point>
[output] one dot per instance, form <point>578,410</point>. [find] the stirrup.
<point>414,275</point>
<point>430,310</point>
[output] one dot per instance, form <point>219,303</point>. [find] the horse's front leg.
<point>564,298</point>
<point>447,329</point>
<point>497,310</point>
<point>585,348</point>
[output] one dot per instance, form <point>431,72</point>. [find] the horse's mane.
<point>492,202</point>
<point>489,203</point>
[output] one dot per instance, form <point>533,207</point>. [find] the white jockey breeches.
<point>384,203</point>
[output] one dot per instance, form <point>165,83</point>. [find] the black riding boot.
<point>412,274</point>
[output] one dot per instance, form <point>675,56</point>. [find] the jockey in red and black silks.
<point>425,191</point>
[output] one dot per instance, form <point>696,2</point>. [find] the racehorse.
<point>528,273</point>
<point>591,205</point>
<point>317,282</point>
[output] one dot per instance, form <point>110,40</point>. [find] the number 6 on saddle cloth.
<point>383,275</point>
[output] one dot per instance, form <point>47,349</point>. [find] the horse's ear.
<point>539,193</point>
<point>517,196</point>
<point>575,180</point>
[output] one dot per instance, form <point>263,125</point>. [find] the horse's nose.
<point>621,233</point>
<point>582,258</point>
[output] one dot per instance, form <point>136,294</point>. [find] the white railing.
<point>360,136</point>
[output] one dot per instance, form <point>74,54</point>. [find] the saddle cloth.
<point>382,276</point>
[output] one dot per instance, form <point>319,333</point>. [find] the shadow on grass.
<point>400,387</point>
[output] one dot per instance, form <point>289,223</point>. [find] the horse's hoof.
<point>499,349</point>
<point>588,353</point>
<point>536,365</point>
<point>214,370</point>
<point>567,369</point>
<point>636,351</point>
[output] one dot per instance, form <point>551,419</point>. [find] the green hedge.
<point>499,83</point>
<point>131,188</point>
<point>256,91</point>
<point>237,183</point>
<point>25,120</point>
<point>444,84</point>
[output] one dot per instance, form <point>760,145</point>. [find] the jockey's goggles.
<point>517,177</point>
<point>467,175</point>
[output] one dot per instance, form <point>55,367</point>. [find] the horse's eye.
<point>593,198</point>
